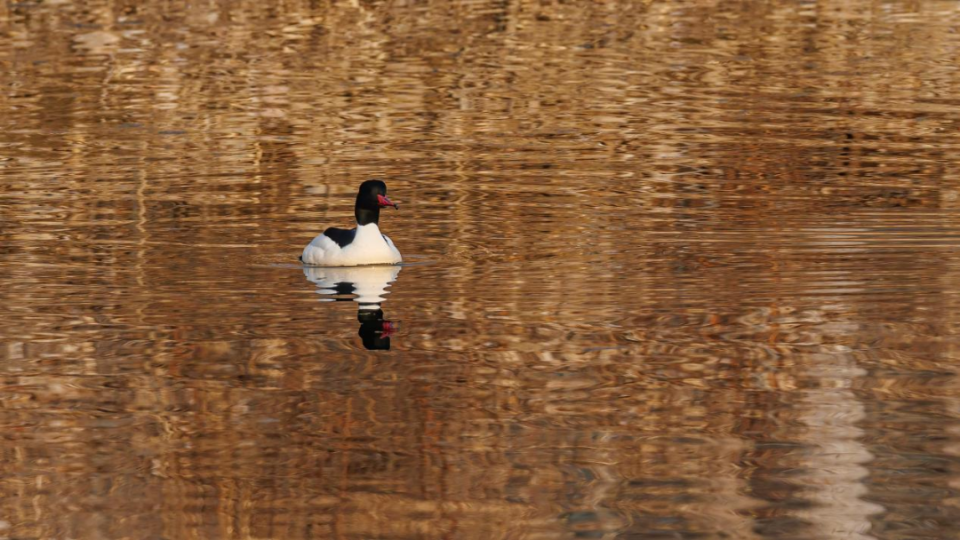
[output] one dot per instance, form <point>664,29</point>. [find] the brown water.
<point>680,269</point>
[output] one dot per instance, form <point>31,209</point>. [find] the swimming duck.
<point>363,245</point>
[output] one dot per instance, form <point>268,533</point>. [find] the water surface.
<point>679,269</point>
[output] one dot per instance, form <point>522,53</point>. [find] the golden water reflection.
<point>681,269</point>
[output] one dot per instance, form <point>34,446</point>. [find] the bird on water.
<point>362,245</point>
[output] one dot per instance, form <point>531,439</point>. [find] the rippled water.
<point>680,269</point>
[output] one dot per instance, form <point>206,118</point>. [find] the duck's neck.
<point>366,216</point>
<point>368,229</point>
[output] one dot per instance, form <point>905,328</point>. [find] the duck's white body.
<point>368,246</point>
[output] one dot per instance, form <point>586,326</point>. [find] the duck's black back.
<point>343,237</point>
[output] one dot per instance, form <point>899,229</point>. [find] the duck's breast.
<point>370,246</point>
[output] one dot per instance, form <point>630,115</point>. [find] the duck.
<point>359,246</point>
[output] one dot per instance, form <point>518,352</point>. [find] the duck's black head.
<point>371,197</point>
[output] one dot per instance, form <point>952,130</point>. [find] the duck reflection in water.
<point>365,285</point>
